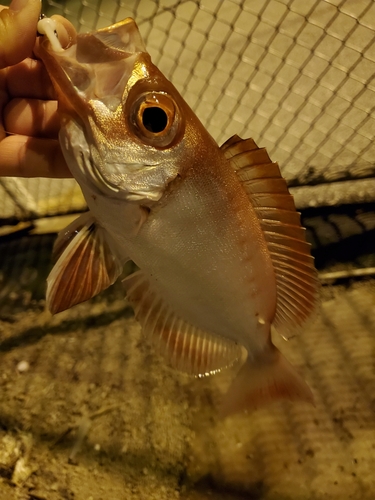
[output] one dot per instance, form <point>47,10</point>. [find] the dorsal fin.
<point>85,264</point>
<point>187,348</point>
<point>296,277</point>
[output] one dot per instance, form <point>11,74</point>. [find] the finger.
<point>3,99</point>
<point>22,156</point>
<point>18,31</point>
<point>32,117</point>
<point>29,78</point>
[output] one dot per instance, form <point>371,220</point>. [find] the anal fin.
<point>85,264</point>
<point>186,347</point>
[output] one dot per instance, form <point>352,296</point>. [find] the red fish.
<point>214,231</point>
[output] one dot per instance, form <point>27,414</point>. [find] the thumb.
<point>18,31</point>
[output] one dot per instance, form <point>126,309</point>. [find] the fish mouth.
<point>98,65</point>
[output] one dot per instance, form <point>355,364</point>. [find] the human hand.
<point>29,122</point>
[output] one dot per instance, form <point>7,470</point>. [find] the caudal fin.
<point>265,380</point>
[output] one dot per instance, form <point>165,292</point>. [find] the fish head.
<point>125,129</point>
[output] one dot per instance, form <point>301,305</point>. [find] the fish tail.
<point>264,380</point>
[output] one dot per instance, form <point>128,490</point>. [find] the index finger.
<point>18,26</point>
<point>29,78</point>
<point>23,156</point>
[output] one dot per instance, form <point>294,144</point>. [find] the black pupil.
<point>154,119</point>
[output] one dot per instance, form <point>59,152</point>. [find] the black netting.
<point>298,76</point>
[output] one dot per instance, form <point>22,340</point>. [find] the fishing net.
<point>297,76</point>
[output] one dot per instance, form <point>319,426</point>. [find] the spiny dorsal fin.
<point>296,277</point>
<point>186,347</point>
<point>85,264</point>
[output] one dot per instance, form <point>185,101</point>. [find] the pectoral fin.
<point>85,264</point>
<point>187,348</point>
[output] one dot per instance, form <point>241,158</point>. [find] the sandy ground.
<point>96,414</point>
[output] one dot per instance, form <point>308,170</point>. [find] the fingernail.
<point>17,5</point>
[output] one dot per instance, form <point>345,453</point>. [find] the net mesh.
<point>296,75</point>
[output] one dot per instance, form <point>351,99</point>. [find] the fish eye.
<point>155,119</point>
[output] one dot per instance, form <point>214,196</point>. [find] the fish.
<point>220,252</point>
